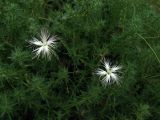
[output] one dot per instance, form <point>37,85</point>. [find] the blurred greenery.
<point>125,31</point>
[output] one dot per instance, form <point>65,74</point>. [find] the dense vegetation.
<point>125,31</point>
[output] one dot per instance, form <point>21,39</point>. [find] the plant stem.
<point>149,47</point>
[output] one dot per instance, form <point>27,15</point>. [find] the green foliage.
<point>142,112</point>
<point>126,31</point>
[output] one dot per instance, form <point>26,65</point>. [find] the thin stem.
<point>152,76</point>
<point>149,47</point>
<point>42,18</point>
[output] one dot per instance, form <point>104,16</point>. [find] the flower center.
<point>45,44</point>
<point>109,71</point>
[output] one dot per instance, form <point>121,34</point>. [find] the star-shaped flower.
<point>45,45</point>
<point>109,73</point>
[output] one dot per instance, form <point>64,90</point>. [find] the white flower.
<point>45,45</point>
<point>109,73</point>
